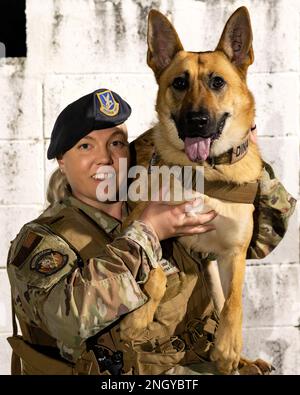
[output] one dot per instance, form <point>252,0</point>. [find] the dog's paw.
<point>227,350</point>
<point>226,359</point>
<point>259,367</point>
<point>155,288</point>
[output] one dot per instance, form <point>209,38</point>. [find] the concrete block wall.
<point>75,46</point>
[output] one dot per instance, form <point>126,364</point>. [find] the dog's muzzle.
<point>198,129</point>
<point>199,124</point>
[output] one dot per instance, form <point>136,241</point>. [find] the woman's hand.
<point>174,220</point>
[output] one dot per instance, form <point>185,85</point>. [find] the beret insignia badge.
<point>48,261</point>
<point>108,104</point>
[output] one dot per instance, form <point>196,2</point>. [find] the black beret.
<point>101,109</point>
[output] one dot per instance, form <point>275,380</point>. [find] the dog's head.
<point>203,101</point>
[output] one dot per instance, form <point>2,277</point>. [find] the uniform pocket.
<point>167,354</point>
<point>35,363</point>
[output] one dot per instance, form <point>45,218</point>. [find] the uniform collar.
<point>108,223</point>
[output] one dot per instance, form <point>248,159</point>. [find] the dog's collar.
<point>231,156</point>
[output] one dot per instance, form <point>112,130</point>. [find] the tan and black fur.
<point>175,107</point>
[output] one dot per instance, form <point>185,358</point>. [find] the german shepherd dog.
<point>205,112</point>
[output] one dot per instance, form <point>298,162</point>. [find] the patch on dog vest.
<point>48,261</point>
<point>108,104</point>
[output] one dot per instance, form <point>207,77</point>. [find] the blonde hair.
<point>58,187</point>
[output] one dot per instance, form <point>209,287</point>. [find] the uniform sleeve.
<point>75,303</point>
<point>273,209</point>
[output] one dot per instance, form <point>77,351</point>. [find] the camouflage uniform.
<point>72,295</point>
<point>73,303</point>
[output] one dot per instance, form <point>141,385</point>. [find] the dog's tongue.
<point>197,148</point>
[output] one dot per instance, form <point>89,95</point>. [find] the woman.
<point>74,274</point>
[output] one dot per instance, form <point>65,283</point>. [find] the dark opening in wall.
<point>13,28</point>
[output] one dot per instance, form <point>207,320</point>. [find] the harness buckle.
<point>200,335</point>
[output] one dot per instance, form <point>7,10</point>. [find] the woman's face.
<point>93,160</point>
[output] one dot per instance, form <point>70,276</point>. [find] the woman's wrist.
<point>148,222</point>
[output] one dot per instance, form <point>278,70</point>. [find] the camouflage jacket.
<point>72,303</point>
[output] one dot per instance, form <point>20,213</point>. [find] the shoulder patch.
<point>30,241</point>
<point>48,261</point>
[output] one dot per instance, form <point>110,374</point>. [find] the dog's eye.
<point>217,83</point>
<point>180,83</point>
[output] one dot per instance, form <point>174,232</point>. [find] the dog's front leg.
<point>228,343</point>
<point>135,322</point>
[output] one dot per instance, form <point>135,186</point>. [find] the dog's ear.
<point>236,39</point>
<point>163,42</point>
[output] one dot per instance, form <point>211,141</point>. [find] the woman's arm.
<point>74,302</point>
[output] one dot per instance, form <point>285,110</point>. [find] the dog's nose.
<point>199,119</point>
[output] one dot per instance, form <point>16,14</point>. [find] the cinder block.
<point>20,102</point>
<point>12,218</point>
<point>38,35</point>
<point>283,155</point>
<point>5,304</point>
<point>5,355</point>
<point>138,89</point>
<point>288,249</point>
<point>278,345</point>
<point>21,172</point>
<point>87,36</point>
<point>271,296</point>
<point>50,165</point>
<point>277,103</point>
<point>275,29</point>
<point>100,36</point>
